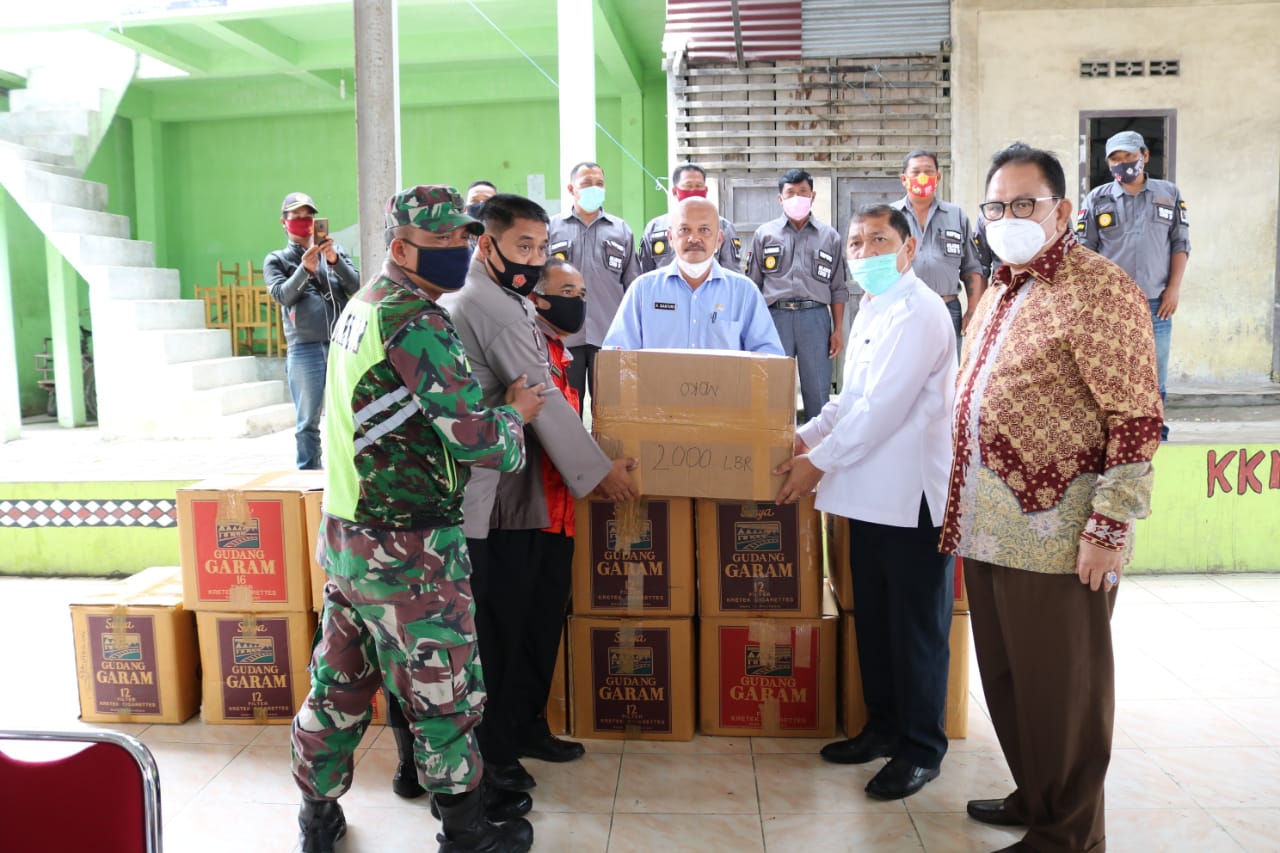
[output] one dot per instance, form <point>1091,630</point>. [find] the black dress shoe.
<point>508,777</point>
<point>993,812</point>
<point>499,806</point>
<point>552,748</point>
<point>900,778</point>
<point>861,749</point>
<point>405,782</point>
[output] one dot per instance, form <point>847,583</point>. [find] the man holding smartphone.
<point>312,278</point>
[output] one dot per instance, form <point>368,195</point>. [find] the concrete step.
<point>73,145</point>
<point>264,421</point>
<point>230,399</point>
<point>124,282</point>
<point>38,182</point>
<point>16,124</point>
<point>1216,395</point>
<point>176,346</point>
<point>212,373</point>
<point>147,315</point>
<point>91,250</point>
<point>17,151</point>
<point>55,97</point>
<point>63,217</point>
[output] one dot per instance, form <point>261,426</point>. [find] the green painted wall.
<point>223,179</point>
<point>1211,514</point>
<point>87,550</point>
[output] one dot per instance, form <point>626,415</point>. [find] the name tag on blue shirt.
<point>664,306</point>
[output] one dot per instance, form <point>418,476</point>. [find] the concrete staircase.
<point>160,373</point>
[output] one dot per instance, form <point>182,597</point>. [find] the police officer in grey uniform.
<point>687,181</point>
<point>1140,223</point>
<point>798,262</point>
<point>945,253</point>
<point>603,248</point>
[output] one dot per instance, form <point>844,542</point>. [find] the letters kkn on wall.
<point>1241,471</point>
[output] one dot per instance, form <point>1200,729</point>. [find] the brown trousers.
<point>1043,643</point>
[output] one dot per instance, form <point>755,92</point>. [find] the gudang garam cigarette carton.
<point>839,572</point>
<point>770,677</point>
<point>853,706</point>
<point>557,710</point>
<point>702,423</point>
<point>759,558</point>
<point>632,678</point>
<point>136,651</point>
<point>634,558</point>
<point>255,665</point>
<point>243,543</point>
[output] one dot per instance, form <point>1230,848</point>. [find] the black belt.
<point>797,304</point>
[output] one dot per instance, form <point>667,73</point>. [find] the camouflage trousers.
<point>408,620</point>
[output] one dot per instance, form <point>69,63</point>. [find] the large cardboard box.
<point>759,558</point>
<point>136,651</point>
<point>312,514</point>
<point>703,423</point>
<point>243,542</point>
<point>557,711</point>
<point>771,677</point>
<point>255,665</point>
<point>853,704</point>
<point>836,560</point>
<point>634,558</point>
<point>632,678</point>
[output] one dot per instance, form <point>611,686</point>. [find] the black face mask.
<point>522,278</point>
<point>473,209</point>
<point>566,313</point>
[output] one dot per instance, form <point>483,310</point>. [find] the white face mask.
<point>694,271</point>
<point>1017,241</point>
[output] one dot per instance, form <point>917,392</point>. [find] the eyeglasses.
<point>1021,207</point>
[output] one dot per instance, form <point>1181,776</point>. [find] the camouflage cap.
<point>435,208</point>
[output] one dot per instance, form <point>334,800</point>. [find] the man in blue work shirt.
<point>694,303</point>
<point>1140,223</point>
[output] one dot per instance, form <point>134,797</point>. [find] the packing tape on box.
<point>627,650</point>
<point>802,642</point>
<point>771,713</point>
<point>240,596</point>
<point>233,505</point>
<point>635,585</point>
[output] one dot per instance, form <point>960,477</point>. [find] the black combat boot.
<point>322,824</point>
<point>467,830</point>
<point>499,806</point>
<point>405,782</point>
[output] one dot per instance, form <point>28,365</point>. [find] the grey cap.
<point>1126,140</point>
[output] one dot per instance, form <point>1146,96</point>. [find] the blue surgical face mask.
<point>877,274</point>
<point>591,199</point>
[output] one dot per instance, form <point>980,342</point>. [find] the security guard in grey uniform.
<point>945,253</point>
<point>1140,223</point>
<point>603,249</point>
<point>798,263</point>
<point>687,181</point>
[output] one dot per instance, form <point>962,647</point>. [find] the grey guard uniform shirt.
<point>656,249</point>
<point>1139,233</point>
<point>945,252</point>
<point>605,253</point>
<point>497,328</point>
<point>808,263</point>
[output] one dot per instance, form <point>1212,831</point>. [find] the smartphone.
<point>320,232</point>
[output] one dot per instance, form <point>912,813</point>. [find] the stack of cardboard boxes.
<point>246,573</point>
<point>853,709</point>
<point>709,427</point>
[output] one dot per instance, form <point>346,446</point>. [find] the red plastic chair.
<point>104,797</point>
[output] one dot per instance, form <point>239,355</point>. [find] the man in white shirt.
<point>694,303</point>
<point>880,456</point>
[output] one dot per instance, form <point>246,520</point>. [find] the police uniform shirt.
<point>944,246</point>
<point>656,249</point>
<point>787,263</point>
<point>1138,232</point>
<point>604,251</point>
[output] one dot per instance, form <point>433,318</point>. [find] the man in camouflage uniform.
<point>404,426</point>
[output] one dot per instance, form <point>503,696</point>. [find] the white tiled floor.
<point>1196,764</point>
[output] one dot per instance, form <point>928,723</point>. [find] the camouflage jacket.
<point>404,417</point>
